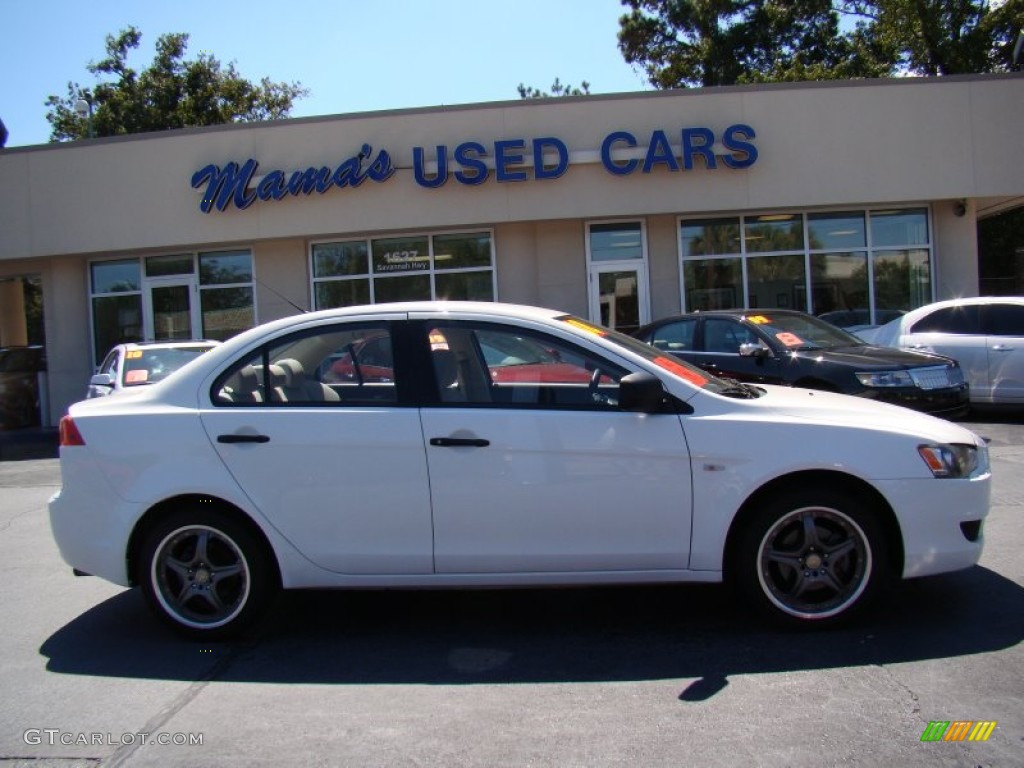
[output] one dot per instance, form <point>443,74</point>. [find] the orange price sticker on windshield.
<point>789,339</point>
<point>680,370</point>
<point>136,377</point>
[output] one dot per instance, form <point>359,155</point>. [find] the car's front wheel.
<point>812,556</point>
<point>205,574</point>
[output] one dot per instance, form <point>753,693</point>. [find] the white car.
<point>282,458</point>
<point>984,334</point>
<point>140,363</point>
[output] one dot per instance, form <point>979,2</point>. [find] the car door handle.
<point>243,439</point>
<point>1001,348</point>
<point>455,442</point>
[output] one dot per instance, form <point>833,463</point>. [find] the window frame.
<point>371,276</point>
<point>805,294</point>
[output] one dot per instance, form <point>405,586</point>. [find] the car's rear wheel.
<point>812,556</point>
<point>206,574</point>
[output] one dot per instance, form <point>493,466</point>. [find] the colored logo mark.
<point>958,730</point>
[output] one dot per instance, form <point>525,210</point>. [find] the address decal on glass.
<point>471,163</point>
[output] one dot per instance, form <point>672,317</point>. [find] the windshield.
<point>148,366</point>
<point>670,363</point>
<point>798,331</point>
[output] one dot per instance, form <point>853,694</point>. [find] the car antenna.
<point>281,296</point>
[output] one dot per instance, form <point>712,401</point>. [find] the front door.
<point>172,311</point>
<point>618,296</point>
<point>534,468</point>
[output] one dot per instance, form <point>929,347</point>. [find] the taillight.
<point>69,434</point>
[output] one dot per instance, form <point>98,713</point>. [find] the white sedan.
<point>477,444</point>
<point>984,334</point>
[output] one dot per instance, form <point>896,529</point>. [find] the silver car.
<point>137,364</point>
<point>984,334</point>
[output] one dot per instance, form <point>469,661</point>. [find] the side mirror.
<point>102,380</point>
<point>754,350</point>
<point>641,393</point>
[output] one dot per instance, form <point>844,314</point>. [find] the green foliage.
<point>172,93</point>
<point>680,43</point>
<point>557,89</point>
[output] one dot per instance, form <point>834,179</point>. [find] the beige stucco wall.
<point>930,142</point>
<point>819,144</point>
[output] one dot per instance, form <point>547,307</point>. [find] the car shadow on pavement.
<point>550,636</point>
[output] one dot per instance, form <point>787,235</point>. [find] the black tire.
<point>811,557</point>
<point>205,574</point>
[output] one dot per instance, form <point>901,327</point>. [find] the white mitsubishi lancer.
<point>452,444</point>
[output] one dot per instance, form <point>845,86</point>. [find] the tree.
<point>557,89</point>
<point>171,93</point>
<point>682,43</point>
<point>942,37</point>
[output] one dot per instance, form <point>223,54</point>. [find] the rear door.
<point>1004,339</point>
<point>337,466</point>
<point>956,332</point>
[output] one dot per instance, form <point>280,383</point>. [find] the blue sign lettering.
<point>232,183</point>
<point>732,139</point>
<point>618,137</point>
<point>471,161</point>
<point>440,176</point>
<point>542,171</point>
<point>469,156</point>
<point>698,141</point>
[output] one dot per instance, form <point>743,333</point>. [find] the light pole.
<point>83,108</point>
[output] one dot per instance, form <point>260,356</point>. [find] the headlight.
<point>954,460</point>
<point>886,379</point>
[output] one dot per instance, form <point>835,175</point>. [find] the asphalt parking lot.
<point>672,676</point>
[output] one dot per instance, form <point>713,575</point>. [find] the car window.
<point>110,362</point>
<point>725,336</point>
<point>148,366</point>
<point>674,337</point>
<point>329,366</point>
<point>488,364</point>
<point>1004,320</point>
<point>961,320</point>
<point>19,361</point>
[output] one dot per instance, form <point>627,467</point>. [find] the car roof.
<point>167,344</point>
<point>966,301</point>
<point>739,314</point>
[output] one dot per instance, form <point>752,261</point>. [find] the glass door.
<point>618,296</point>
<point>172,313</point>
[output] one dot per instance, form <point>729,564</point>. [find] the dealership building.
<point>850,200</point>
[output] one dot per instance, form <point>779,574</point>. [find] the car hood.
<point>828,408</point>
<point>871,358</point>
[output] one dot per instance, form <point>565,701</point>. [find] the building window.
<point>852,267</point>
<point>116,289</point>
<point>450,266</point>
<point>177,296</point>
<point>226,293</point>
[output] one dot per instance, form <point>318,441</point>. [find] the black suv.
<point>779,346</point>
<point>19,386</point>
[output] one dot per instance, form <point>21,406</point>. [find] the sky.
<point>353,56</point>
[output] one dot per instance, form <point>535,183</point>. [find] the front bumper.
<point>942,522</point>
<point>950,403</point>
